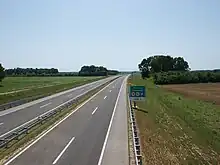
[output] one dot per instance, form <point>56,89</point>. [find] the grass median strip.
<point>35,92</point>
<point>33,132</point>
<point>175,129</point>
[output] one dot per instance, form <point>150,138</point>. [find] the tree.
<point>93,71</point>
<point>179,64</point>
<point>113,72</point>
<point>2,72</point>
<point>145,73</point>
<point>161,63</point>
<point>144,68</point>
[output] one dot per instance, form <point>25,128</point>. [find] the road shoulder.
<point>116,151</point>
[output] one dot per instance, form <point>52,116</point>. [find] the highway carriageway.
<point>81,138</point>
<point>16,117</point>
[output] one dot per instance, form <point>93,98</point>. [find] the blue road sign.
<point>137,93</point>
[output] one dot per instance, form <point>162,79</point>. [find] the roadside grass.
<point>175,129</point>
<point>33,133</point>
<point>57,84</point>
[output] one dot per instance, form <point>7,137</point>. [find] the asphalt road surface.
<point>16,116</point>
<point>80,137</point>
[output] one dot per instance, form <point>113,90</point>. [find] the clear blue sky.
<point>118,34</point>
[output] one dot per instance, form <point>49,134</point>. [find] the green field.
<point>14,88</point>
<point>175,129</point>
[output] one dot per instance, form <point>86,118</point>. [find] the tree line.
<point>85,71</point>
<point>31,72</point>
<point>174,70</point>
<point>93,70</point>
<point>186,77</point>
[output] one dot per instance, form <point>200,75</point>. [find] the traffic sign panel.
<point>137,93</point>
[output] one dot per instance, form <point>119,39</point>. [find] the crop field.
<point>207,92</point>
<point>15,88</point>
<point>177,127</point>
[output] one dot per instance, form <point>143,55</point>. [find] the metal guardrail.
<point>24,129</point>
<point>135,136</point>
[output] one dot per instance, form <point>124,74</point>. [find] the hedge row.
<point>186,77</point>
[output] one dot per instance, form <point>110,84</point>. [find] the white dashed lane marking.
<point>58,157</point>
<point>70,95</point>
<point>45,105</point>
<point>94,110</point>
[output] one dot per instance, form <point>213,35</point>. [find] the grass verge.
<point>175,129</point>
<point>34,132</point>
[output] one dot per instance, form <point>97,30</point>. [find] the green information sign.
<point>137,93</point>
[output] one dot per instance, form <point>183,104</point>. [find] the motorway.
<point>14,117</point>
<point>80,138</point>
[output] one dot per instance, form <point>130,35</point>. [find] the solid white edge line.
<point>110,124</point>
<point>62,152</point>
<point>105,97</point>
<point>45,105</point>
<point>94,110</point>
<point>54,126</point>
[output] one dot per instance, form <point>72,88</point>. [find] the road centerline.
<point>62,152</point>
<point>94,110</point>
<point>45,105</point>
<point>105,97</point>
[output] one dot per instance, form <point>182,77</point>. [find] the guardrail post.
<point>139,157</point>
<point>6,145</point>
<point>27,132</point>
<point>41,121</point>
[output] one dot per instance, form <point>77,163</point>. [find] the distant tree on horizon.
<point>161,63</point>
<point>2,72</point>
<point>93,70</point>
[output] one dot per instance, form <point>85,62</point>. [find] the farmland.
<point>178,129</point>
<point>14,88</point>
<point>203,91</point>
